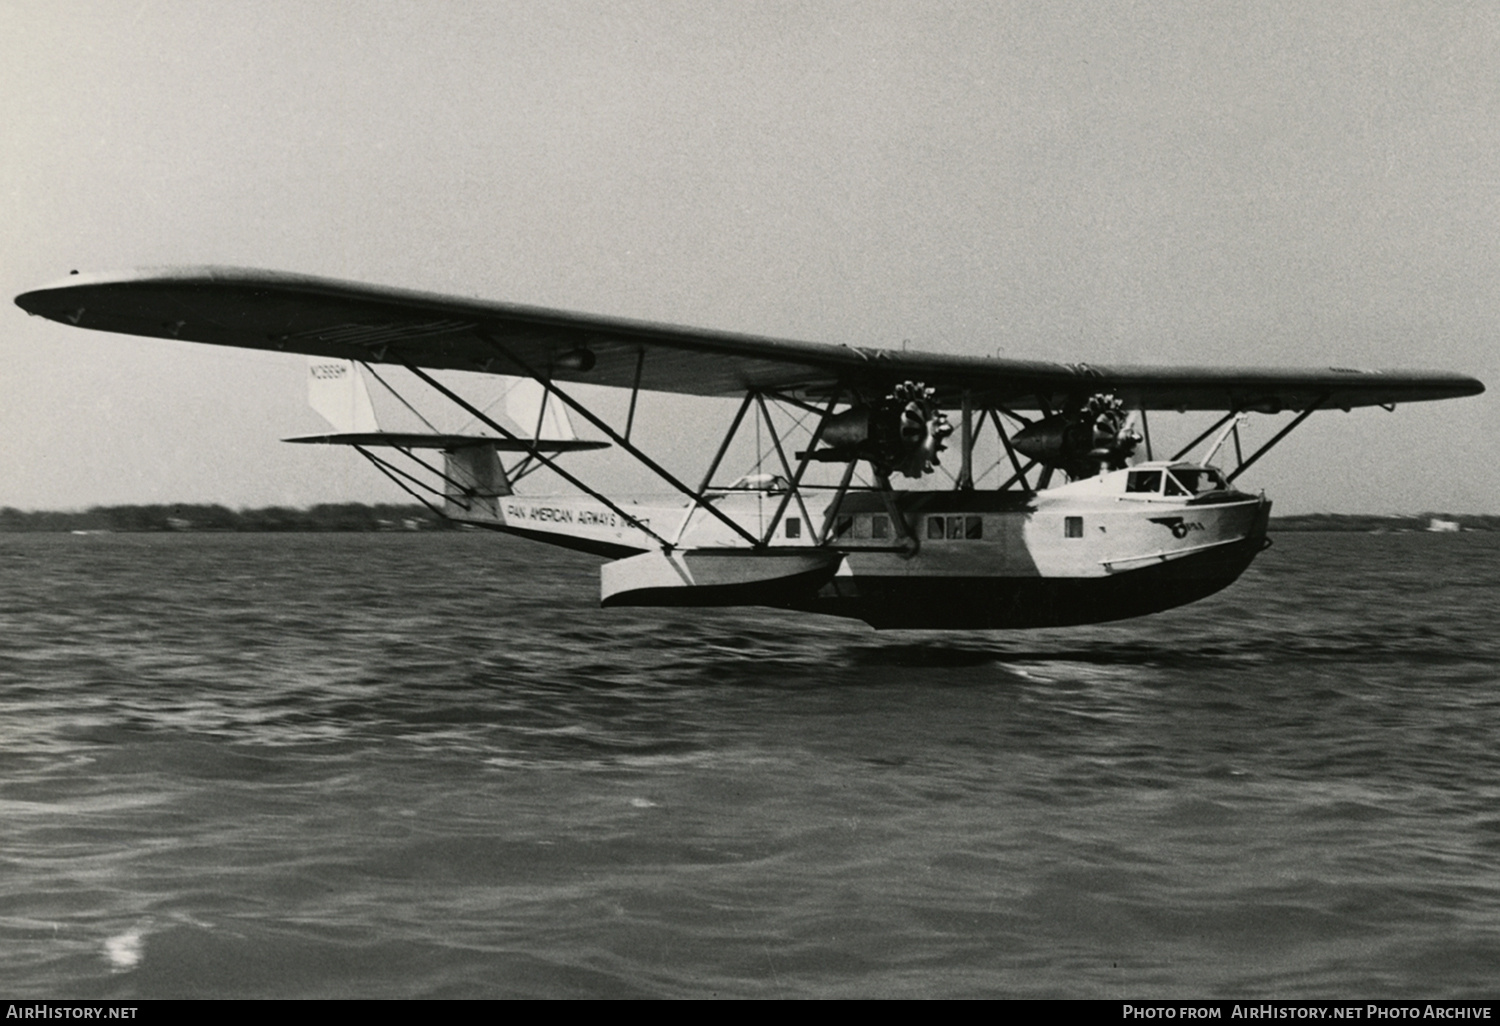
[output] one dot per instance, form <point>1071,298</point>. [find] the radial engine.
<point>902,432</point>
<point>1098,436</point>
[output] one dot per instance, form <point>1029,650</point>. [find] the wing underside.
<point>346,321</point>
<point>418,440</point>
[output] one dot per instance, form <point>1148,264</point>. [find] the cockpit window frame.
<point>1206,480</point>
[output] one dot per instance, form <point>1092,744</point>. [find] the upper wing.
<point>322,317</point>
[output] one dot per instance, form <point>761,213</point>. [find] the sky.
<point>1277,183</point>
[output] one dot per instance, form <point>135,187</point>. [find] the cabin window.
<point>793,527</point>
<point>959,528</point>
<point>880,526</point>
<point>848,525</point>
<point>1144,481</point>
<point>955,528</point>
<point>1073,527</point>
<point>1173,488</point>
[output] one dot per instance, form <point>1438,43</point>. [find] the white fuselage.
<point>1175,528</point>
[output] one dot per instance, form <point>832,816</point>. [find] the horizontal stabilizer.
<point>407,440</point>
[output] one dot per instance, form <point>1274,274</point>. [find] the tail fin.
<point>474,480</point>
<point>336,389</point>
<point>531,406</point>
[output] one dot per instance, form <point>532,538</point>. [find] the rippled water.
<point>428,765</point>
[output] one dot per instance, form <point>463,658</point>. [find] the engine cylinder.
<point>1097,436</point>
<point>903,433</point>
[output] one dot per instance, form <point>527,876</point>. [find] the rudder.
<point>474,481</point>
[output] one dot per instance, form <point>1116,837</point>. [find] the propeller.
<point>1100,435</point>
<point>923,430</point>
<point>903,432</point>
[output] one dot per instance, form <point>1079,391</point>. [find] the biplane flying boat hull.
<point>963,560</point>
<point>955,602</point>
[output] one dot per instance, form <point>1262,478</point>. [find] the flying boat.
<point>1085,523</point>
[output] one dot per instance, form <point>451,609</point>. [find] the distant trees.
<point>343,516</point>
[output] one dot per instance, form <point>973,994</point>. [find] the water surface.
<point>429,765</point>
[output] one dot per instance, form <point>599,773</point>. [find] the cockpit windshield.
<point>1197,480</point>
<point>1179,482</point>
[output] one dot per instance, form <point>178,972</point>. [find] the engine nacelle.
<point>903,433</point>
<point>1097,437</point>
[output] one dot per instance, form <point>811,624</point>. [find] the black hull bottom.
<point>980,603</point>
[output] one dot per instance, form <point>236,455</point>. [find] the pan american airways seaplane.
<point>1087,525</point>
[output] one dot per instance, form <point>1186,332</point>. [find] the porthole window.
<point>793,527</point>
<point>1073,527</point>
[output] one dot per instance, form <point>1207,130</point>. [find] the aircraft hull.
<point>973,603</point>
<point>925,592</point>
<point>980,603</point>
<point>1088,552</point>
<point>1124,559</point>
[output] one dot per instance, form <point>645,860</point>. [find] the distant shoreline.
<point>1438,523</point>
<point>354,516</point>
<point>343,516</point>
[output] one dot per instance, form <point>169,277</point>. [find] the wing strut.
<point>1245,465</point>
<point>1212,428</point>
<point>614,435</point>
<point>796,484</point>
<point>391,471</point>
<point>898,519</point>
<point>399,397</point>
<point>713,467</point>
<point>781,454</point>
<point>965,482</point>
<point>734,426</point>
<point>535,450</point>
<point>832,516</point>
<point>635,390</point>
<point>1015,461</point>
